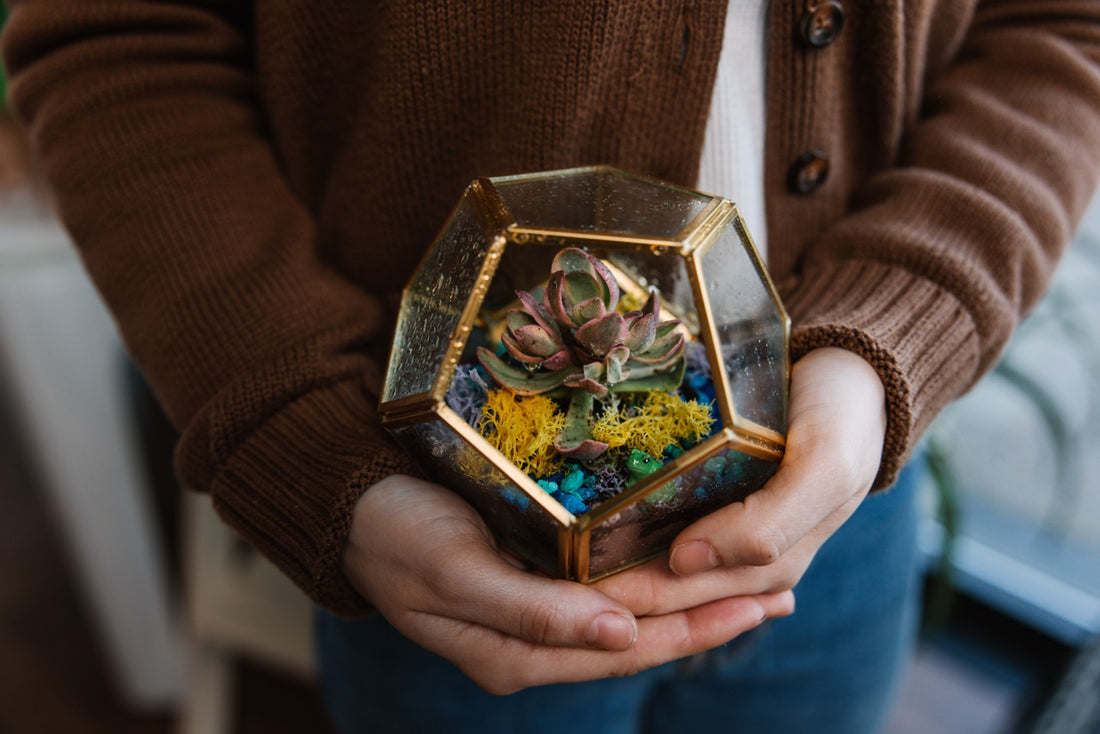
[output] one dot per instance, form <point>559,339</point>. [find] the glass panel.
<point>517,521</point>
<point>647,527</point>
<point>431,310</point>
<point>668,273</point>
<point>751,331</point>
<point>600,199</point>
<point>522,267</point>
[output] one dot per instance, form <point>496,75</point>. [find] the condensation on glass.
<point>696,251</point>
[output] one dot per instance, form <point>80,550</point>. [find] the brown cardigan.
<point>251,183</point>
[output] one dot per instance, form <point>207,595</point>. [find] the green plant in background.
<point>1063,311</point>
<point>3,73</point>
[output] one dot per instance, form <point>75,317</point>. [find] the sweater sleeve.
<point>146,121</point>
<point>942,253</point>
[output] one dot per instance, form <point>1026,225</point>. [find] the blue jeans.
<point>833,666</point>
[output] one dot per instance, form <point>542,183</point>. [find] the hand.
<point>837,423</point>
<point>425,559</point>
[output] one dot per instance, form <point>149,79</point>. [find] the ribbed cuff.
<point>290,488</point>
<point>918,338</point>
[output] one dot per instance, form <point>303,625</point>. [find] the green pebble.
<point>715,465</point>
<point>573,481</point>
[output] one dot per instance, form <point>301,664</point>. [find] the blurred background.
<point>126,607</point>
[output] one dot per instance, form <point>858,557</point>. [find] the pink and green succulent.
<point>574,341</point>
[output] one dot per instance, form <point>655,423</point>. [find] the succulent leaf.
<point>517,379</point>
<point>560,361</point>
<point>536,340</point>
<point>586,311</point>
<point>642,333</point>
<point>572,259</point>
<point>518,352</point>
<point>665,349</point>
<point>614,364</point>
<point>591,380</point>
<point>537,312</point>
<point>584,450</point>
<point>650,378</point>
<point>578,288</point>
<point>552,299</point>
<point>601,335</point>
<point>608,279</point>
<point>517,319</point>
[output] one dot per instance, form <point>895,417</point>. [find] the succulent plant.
<point>573,341</point>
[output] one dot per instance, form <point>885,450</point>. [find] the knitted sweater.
<point>250,185</point>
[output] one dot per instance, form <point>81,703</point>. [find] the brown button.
<point>808,172</point>
<point>821,24</point>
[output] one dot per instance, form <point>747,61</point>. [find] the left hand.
<point>837,423</point>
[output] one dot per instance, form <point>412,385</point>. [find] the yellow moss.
<point>661,419</point>
<point>523,429</point>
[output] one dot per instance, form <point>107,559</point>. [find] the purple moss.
<point>695,360</point>
<point>468,393</point>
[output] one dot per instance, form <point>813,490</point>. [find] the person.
<point>250,185</point>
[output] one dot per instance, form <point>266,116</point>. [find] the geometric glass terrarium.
<point>593,359</point>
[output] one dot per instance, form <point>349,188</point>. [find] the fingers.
<point>473,583</point>
<point>417,549</point>
<point>834,442</point>
<point>426,560</point>
<point>503,665</point>
<point>654,589</point>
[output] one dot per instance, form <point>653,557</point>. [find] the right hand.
<point>425,559</point>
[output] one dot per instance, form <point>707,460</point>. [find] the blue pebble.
<point>571,502</point>
<point>517,498</point>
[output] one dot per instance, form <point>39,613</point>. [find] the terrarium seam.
<point>465,322</point>
<point>772,441</point>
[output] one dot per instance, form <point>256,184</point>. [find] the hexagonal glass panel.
<point>751,330</point>
<point>433,303</point>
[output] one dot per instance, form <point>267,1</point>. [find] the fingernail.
<point>612,631</point>
<point>694,556</point>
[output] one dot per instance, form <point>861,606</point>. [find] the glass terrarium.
<point>593,359</point>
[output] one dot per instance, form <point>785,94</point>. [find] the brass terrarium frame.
<point>691,244</point>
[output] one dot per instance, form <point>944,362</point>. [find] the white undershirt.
<point>732,164</point>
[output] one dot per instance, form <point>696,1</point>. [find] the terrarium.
<point>593,359</point>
